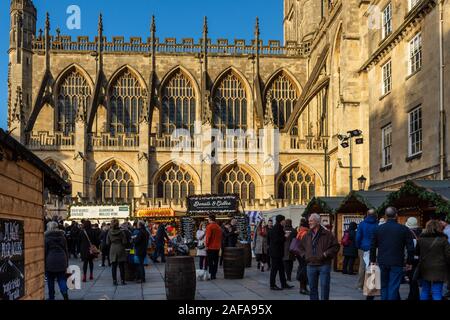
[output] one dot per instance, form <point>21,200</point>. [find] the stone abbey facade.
<point>110,115</point>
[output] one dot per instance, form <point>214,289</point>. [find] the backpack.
<point>346,239</point>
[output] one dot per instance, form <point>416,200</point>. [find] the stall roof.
<point>363,200</point>
<point>52,181</point>
<point>441,187</point>
<point>326,205</point>
<point>427,194</point>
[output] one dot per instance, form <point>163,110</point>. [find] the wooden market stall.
<point>225,207</point>
<point>24,178</point>
<point>325,207</point>
<point>353,208</point>
<point>422,199</point>
<point>155,217</point>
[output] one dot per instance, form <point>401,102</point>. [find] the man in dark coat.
<point>318,247</point>
<point>56,260</point>
<point>75,235</point>
<point>276,239</point>
<point>391,239</point>
<point>140,248</point>
<point>160,239</point>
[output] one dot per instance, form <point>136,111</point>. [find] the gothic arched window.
<point>59,170</point>
<point>230,103</point>
<point>236,180</point>
<point>126,100</point>
<point>175,183</point>
<point>297,184</point>
<point>73,93</point>
<point>114,183</point>
<point>178,104</point>
<point>283,95</point>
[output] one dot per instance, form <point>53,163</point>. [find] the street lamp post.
<point>346,141</point>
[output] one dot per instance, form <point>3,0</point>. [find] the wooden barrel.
<point>233,263</point>
<point>247,253</point>
<point>180,278</point>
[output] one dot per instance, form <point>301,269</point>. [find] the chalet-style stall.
<point>155,217</point>
<point>353,208</point>
<point>325,207</point>
<point>422,199</point>
<point>24,179</point>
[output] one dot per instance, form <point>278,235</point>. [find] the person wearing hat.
<point>414,292</point>
<point>275,240</point>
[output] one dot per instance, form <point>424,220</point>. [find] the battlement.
<point>135,45</point>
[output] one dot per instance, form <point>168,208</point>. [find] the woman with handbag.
<point>433,250</point>
<point>117,241</point>
<point>88,248</point>
<point>260,245</point>
<point>201,248</point>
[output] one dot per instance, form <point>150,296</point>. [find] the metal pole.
<point>442,155</point>
<point>351,165</point>
<point>325,167</point>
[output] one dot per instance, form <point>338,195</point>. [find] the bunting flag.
<point>254,216</point>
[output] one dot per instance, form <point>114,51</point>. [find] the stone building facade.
<point>409,99</point>
<point>148,122</point>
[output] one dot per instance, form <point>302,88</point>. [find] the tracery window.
<point>175,183</point>
<point>283,95</point>
<point>126,100</point>
<point>236,180</point>
<point>59,170</point>
<point>114,183</point>
<point>73,93</point>
<point>178,104</point>
<point>230,103</point>
<point>297,184</point>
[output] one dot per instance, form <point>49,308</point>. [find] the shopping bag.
<point>372,281</point>
<point>294,247</point>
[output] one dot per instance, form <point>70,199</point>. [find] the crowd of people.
<point>403,253</point>
<point>116,243</point>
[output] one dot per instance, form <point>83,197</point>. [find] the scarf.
<point>315,240</point>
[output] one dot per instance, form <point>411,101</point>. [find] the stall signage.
<point>212,204</point>
<point>156,212</point>
<point>12,259</point>
<point>187,228</point>
<point>243,227</point>
<point>99,212</point>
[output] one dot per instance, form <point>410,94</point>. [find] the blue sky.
<point>229,19</point>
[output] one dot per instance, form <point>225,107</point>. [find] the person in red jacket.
<point>213,242</point>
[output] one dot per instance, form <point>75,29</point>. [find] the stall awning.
<point>155,213</point>
<point>323,205</point>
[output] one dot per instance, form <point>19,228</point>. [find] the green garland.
<point>410,188</point>
<point>319,202</point>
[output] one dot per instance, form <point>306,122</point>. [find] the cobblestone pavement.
<point>254,286</point>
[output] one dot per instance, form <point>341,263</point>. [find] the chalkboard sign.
<point>243,227</point>
<point>187,228</point>
<point>12,260</point>
<point>212,204</point>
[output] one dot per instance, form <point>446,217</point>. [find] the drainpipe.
<point>441,93</point>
